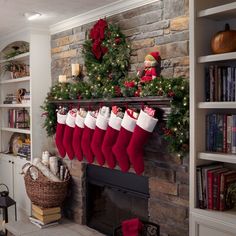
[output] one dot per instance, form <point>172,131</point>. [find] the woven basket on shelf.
<point>43,192</point>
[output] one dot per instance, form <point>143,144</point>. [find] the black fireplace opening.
<point>114,196</point>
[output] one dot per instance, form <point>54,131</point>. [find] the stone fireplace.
<point>162,26</point>
<point>98,193</point>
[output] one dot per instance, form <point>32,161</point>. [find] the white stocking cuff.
<point>146,122</point>
<point>90,121</point>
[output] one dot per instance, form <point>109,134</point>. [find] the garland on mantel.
<point>107,55</point>
<point>176,131</point>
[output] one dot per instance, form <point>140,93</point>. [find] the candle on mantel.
<point>62,79</point>
<point>75,69</point>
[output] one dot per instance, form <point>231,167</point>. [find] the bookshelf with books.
<point>15,104</point>
<point>25,79</point>
<point>213,122</point>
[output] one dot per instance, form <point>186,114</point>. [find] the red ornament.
<point>137,93</point>
<point>117,40</point>
<point>129,84</point>
<point>171,93</point>
<point>117,90</point>
<point>167,132</point>
<point>104,50</point>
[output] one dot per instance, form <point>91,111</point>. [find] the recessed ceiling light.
<point>32,15</point>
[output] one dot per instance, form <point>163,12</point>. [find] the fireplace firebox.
<point>113,196</point>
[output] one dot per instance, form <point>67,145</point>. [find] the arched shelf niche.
<point>14,49</point>
<point>14,60</point>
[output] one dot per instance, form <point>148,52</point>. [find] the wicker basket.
<point>43,192</point>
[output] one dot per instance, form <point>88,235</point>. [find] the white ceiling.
<point>53,11</point>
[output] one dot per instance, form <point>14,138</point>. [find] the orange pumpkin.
<point>224,41</point>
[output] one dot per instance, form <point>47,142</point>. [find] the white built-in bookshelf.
<point>20,57</point>
<point>216,105</point>
<point>219,157</point>
<point>207,18</point>
<point>218,57</point>
<point>37,82</point>
<point>10,85</point>
<point>18,80</point>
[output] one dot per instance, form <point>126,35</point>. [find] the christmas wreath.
<point>106,56</point>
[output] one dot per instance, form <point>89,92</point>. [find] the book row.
<point>221,133</point>
<point>18,118</point>
<point>216,187</point>
<point>220,84</point>
<point>21,96</point>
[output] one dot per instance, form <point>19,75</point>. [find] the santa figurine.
<point>150,71</point>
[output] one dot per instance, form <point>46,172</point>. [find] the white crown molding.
<point>101,12</point>
<point>23,34</point>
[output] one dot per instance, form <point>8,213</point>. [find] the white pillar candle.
<point>62,79</point>
<point>75,69</point>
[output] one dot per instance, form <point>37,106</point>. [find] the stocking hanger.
<point>161,103</point>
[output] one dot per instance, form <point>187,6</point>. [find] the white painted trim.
<point>98,13</point>
<point>21,35</point>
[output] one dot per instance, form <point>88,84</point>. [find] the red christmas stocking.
<point>110,139</point>
<point>99,133</point>
<point>68,134</point>
<point>61,121</point>
<point>143,129</point>
<point>119,149</point>
<point>89,126</point>
<point>77,136</point>
<point>132,227</point>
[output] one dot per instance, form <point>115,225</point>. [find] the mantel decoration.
<point>106,55</point>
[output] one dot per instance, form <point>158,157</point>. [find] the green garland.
<point>176,131</point>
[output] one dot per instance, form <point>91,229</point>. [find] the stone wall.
<point>161,26</point>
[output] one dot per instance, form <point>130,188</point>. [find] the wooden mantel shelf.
<point>160,103</point>
<point>130,101</point>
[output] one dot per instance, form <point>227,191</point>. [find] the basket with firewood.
<point>45,188</point>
